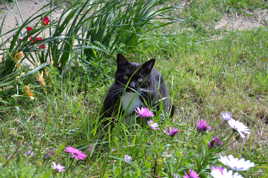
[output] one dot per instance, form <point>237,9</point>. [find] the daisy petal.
<point>226,116</point>
<point>220,172</point>
<point>235,163</point>
<point>239,127</point>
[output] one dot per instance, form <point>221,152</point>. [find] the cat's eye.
<point>140,80</point>
<point>125,77</point>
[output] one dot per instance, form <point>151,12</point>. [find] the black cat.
<point>135,85</point>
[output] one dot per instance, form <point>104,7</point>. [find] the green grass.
<point>202,15</point>
<point>205,77</point>
<point>5,1</point>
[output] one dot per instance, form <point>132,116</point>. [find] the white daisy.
<point>176,176</point>
<point>235,163</point>
<point>58,167</point>
<point>239,127</point>
<point>128,159</point>
<point>219,172</point>
<point>226,116</point>
<point>153,125</point>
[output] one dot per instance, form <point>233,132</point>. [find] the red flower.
<point>45,20</point>
<point>35,39</point>
<point>38,39</point>
<point>30,38</point>
<point>29,29</point>
<point>42,46</point>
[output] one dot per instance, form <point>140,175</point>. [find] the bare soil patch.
<point>255,19</point>
<point>15,15</point>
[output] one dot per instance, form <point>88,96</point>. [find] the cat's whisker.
<point>116,92</point>
<point>146,90</point>
<point>133,90</point>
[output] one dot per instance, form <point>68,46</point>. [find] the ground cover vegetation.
<point>218,81</point>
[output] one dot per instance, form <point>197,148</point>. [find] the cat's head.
<point>133,75</point>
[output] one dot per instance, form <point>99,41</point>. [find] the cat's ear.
<point>147,67</point>
<point>121,60</point>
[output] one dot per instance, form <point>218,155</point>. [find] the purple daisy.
<point>171,131</point>
<point>202,126</point>
<point>215,142</point>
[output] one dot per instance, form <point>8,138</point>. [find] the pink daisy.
<point>191,174</point>
<point>76,154</point>
<point>144,112</point>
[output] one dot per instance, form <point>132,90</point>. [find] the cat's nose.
<point>132,84</point>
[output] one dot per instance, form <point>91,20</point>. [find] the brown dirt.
<point>257,18</point>
<point>15,15</point>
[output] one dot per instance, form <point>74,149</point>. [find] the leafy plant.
<point>87,33</point>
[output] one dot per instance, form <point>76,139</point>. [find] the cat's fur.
<point>135,85</point>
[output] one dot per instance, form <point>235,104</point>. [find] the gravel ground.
<point>25,9</point>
